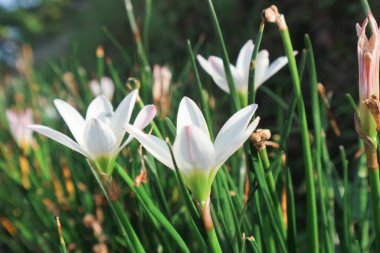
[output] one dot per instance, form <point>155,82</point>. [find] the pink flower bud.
<point>368,58</point>
<point>161,85</point>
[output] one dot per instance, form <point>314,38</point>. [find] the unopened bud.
<point>260,137</point>
<point>100,51</point>
<point>272,15</point>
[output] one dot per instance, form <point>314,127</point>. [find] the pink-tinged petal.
<point>145,116</point>
<point>58,137</point>
<point>100,107</point>
<point>368,59</point>
<point>73,119</point>
<point>219,79</point>
<point>193,150</point>
<point>107,87</point>
<point>157,147</point>
<point>123,114</point>
<point>233,130</point>
<point>99,139</point>
<point>243,62</point>
<point>161,82</point>
<point>190,114</point>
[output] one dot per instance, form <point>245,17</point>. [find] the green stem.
<point>251,81</point>
<point>291,213</point>
<point>365,6</point>
<point>226,61</point>
<point>213,240</point>
<point>318,142</point>
<point>100,63</point>
<point>272,187</point>
<point>211,234</point>
<point>375,193</point>
<point>362,176</point>
<point>311,199</point>
<point>145,68</point>
<point>147,17</point>
<point>152,210</point>
<point>346,203</point>
<point>127,231</point>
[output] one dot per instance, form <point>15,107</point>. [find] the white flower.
<point>199,159</point>
<point>105,87</point>
<point>240,73</point>
<point>18,126</point>
<point>100,135</point>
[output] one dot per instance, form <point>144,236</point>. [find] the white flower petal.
<point>58,137</point>
<point>219,79</point>
<point>73,119</point>
<point>99,139</point>
<point>157,147</point>
<point>143,119</point>
<point>275,66</point>
<point>236,143</point>
<point>190,114</point>
<point>243,62</point>
<point>100,107</point>
<point>232,131</point>
<point>123,114</point>
<point>218,66</point>
<point>193,150</point>
<point>262,63</point>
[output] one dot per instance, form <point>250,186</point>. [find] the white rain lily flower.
<point>105,87</point>
<point>100,135</point>
<point>197,158</point>
<point>240,73</point>
<point>18,126</point>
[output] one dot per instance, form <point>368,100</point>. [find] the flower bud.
<point>161,85</point>
<point>368,59</point>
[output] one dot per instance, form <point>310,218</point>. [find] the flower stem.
<point>311,198</point>
<point>365,6</point>
<point>145,68</point>
<point>375,193</point>
<point>328,244</point>
<point>226,62</point>
<point>126,229</point>
<point>272,187</point>
<point>209,226</point>
<point>251,82</point>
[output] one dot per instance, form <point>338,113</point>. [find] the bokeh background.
<point>64,32</point>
